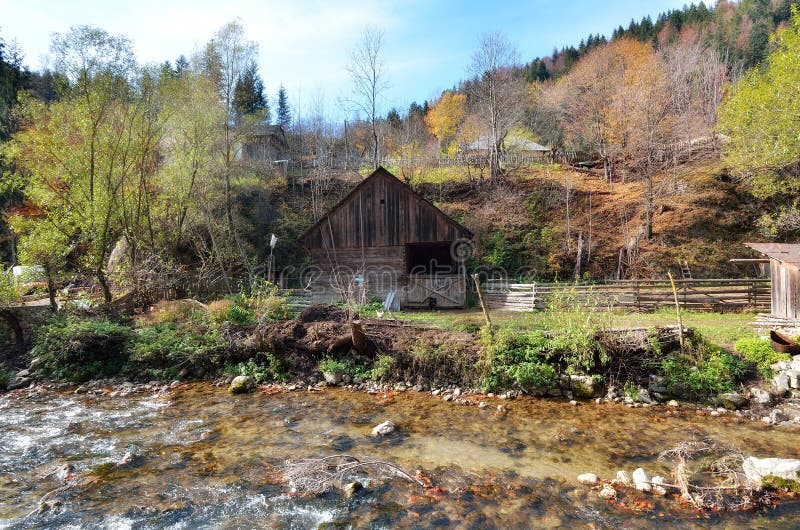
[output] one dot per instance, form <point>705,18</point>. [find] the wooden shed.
<point>383,238</point>
<point>784,267</point>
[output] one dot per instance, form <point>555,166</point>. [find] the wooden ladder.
<point>686,272</point>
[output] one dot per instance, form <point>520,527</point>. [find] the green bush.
<point>518,359</point>
<point>334,366</point>
<point>240,314</point>
<point>760,353</point>
<point>161,351</point>
<point>383,366</point>
<point>77,350</point>
<point>704,370</point>
<point>269,369</point>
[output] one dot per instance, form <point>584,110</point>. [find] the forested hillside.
<point>117,173</point>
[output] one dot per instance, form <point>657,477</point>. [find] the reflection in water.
<point>199,457</point>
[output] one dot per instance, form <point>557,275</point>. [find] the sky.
<point>306,44</point>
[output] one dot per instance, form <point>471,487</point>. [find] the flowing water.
<point>207,459</point>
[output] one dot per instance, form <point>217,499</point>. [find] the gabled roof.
<point>788,253</point>
<point>382,172</point>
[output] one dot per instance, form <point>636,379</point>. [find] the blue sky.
<point>306,44</point>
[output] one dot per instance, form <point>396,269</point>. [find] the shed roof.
<point>788,253</point>
<point>381,172</point>
<point>517,143</point>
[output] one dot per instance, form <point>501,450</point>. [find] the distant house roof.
<point>788,253</point>
<point>512,143</point>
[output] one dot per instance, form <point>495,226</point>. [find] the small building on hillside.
<point>384,238</point>
<point>264,144</point>
<point>513,144</point>
<point>784,267</point>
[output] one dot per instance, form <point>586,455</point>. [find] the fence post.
<point>533,296</point>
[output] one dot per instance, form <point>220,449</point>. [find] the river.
<point>203,458</point>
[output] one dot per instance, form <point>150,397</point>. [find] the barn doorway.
<point>429,259</point>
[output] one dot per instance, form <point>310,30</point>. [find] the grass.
<point>722,329</point>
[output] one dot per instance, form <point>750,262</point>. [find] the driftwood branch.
<point>318,475</point>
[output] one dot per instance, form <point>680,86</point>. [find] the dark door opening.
<point>430,258</point>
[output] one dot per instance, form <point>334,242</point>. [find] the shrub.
<point>175,311</point>
<point>161,351</point>
<point>4,376</point>
<point>704,370</point>
<point>264,301</point>
<point>383,366</point>
<point>334,366</point>
<point>218,309</point>
<point>760,353</point>
<point>240,314</point>
<point>77,350</point>
<point>269,369</point>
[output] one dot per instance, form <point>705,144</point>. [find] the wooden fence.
<point>640,295</point>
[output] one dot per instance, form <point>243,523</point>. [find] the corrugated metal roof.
<point>788,253</point>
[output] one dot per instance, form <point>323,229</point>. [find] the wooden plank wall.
<point>362,220</point>
<point>785,290</point>
<point>714,294</point>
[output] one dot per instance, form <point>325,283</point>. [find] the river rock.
<point>644,396</point>
<point>781,383</point>
<point>780,366</point>
<point>333,378</point>
<point>588,479</point>
<point>641,480</point>
<point>17,382</point>
<point>608,492</point>
<point>794,378</point>
<point>584,386</point>
<point>760,396</point>
<point>242,384</point>
<point>383,429</point>
<point>731,400</point>
<point>673,403</point>
<point>351,488</point>
<point>624,478</point>
<point>658,384</point>
<point>756,469</point>
<point>658,489</point>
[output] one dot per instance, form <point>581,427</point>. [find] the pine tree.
<point>248,96</point>
<point>284,113</point>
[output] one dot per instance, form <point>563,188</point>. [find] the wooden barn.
<point>384,238</point>
<point>784,266</point>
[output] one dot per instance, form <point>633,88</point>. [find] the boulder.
<point>383,429</point>
<point>584,386</point>
<point>658,488</point>
<point>794,378</point>
<point>658,384</point>
<point>644,396</point>
<point>17,382</point>
<point>608,492</point>
<point>673,403</point>
<point>760,396</point>
<point>242,384</point>
<point>641,480</point>
<point>777,416</point>
<point>757,469</point>
<point>333,378</point>
<point>780,366</point>
<point>624,478</point>
<point>781,383</point>
<point>587,479</point>
<point>351,488</point>
<point>731,400</point>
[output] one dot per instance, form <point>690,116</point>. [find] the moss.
<point>778,483</point>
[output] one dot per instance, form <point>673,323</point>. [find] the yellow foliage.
<point>446,115</point>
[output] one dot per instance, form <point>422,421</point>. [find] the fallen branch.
<point>318,475</point>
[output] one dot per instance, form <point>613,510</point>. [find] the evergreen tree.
<point>248,96</point>
<point>284,116</point>
<point>181,65</point>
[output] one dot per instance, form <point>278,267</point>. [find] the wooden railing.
<point>641,295</point>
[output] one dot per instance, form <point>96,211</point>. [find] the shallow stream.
<point>206,459</point>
